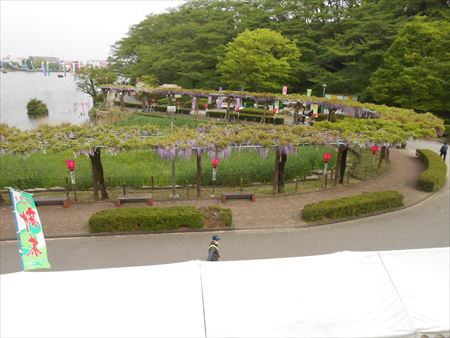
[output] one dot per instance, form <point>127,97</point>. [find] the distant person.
<point>444,149</point>
<point>213,250</point>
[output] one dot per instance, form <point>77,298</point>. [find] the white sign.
<point>171,109</point>
<point>284,90</point>
<point>72,176</point>
<point>214,174</point>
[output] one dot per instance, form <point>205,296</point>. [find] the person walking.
<point>444,149</point>
<point>213,250</point>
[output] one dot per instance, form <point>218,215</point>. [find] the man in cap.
<point>213,250</point>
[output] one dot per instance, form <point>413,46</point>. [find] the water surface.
<point>65,103</point>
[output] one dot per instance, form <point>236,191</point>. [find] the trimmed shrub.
<point>255,111</point>
<point>433,178</point>
<point>352,206</point>
<point>216,216</point>
<point>146,219</point>
<point>36,108</point>
<point>246,117</point>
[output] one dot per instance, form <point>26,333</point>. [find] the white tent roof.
<point>346,294</point>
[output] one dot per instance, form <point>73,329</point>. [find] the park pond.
<point>66,104</point>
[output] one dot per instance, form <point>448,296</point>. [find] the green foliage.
<point>149,80</point>
<point>90,78</point>
<point>433,178</point>
<point>254,111</point>
<point>36,108</point>
<point>146,219</point>
<point>259,60</point>
<point>135,168</point>
<point>416,68</point>
<point>352,206</point>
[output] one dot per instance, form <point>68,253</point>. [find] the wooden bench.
<point>238,196</point>
<point>64,201</point>
<point>134,199</point>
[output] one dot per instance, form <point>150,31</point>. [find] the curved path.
<point>423,225</point>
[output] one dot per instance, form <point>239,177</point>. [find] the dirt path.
<point>266,212</point>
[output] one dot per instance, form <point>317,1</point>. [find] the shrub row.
<point>145,219</point>
<point>246,117</point>
<point>157,219</point>
<point>433,178</point>
<point>352,206</point>
<point>256,111</point>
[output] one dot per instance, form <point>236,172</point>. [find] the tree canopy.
<point>259,60</point>
<point>342,42</point>
<point>90,78</point>
<point>416,68</point>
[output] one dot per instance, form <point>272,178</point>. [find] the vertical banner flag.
<point>308,92</point>
<point>43,67</point>
<point>209,99</point>
<point>284,90</point>
<point>48,68</point>
<point>238,103</point>
<point>32,246</point>
<point>315,110</point>
<point>276,106</point>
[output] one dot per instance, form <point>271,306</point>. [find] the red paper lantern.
<point>215,163</point>
<point>326,157</point>
<point>70,164</point>
<point>374,149</point>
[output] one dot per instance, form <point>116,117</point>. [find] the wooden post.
<point>199,173</point>
<point>187,189</point>
<point>67,186</point>
<point>276,170</point>
<point>242,184</point>
<point>337,171</point>
<point>124,189</point>
<point>152,179</point>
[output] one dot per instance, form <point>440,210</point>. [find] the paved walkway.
<point>268,212</point>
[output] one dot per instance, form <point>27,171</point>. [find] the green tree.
<point>416,68</point>
<point>259,60</point>
<point>149,80</point>
<point>90,78</point>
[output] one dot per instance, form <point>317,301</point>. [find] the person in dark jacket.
<point>443,150</point>
<point>213,250</point>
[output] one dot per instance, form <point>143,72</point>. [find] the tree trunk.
<point>199,174</point>
<point>98,179</point>
<point>331,116</point>
<point>383,153</point>
<point>282,163</point>
<point>276,170</point>
<point>343,164</point>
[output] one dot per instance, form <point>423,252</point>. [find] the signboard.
<point>32,248</point>
<point>72,177</point>
<point>214,176</point>
<point>171,109</point>
<point>285,90</point>
<point>308,92</point>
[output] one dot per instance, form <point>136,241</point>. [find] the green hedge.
<point>352,206</point>
<point>433,178</point>
<point>246,117</point>
<point>146,219</point>
<point>256,111</point>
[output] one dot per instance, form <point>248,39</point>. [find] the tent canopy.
<point>347,294</point>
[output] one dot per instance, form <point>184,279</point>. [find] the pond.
<point>65,103</point>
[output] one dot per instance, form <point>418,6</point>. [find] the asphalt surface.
<point>425,225</point>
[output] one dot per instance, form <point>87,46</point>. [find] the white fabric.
<point>346,294</point>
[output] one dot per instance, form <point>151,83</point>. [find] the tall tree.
<point>259,60</point>
<point>416,68</point>
<point>90,78</point>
